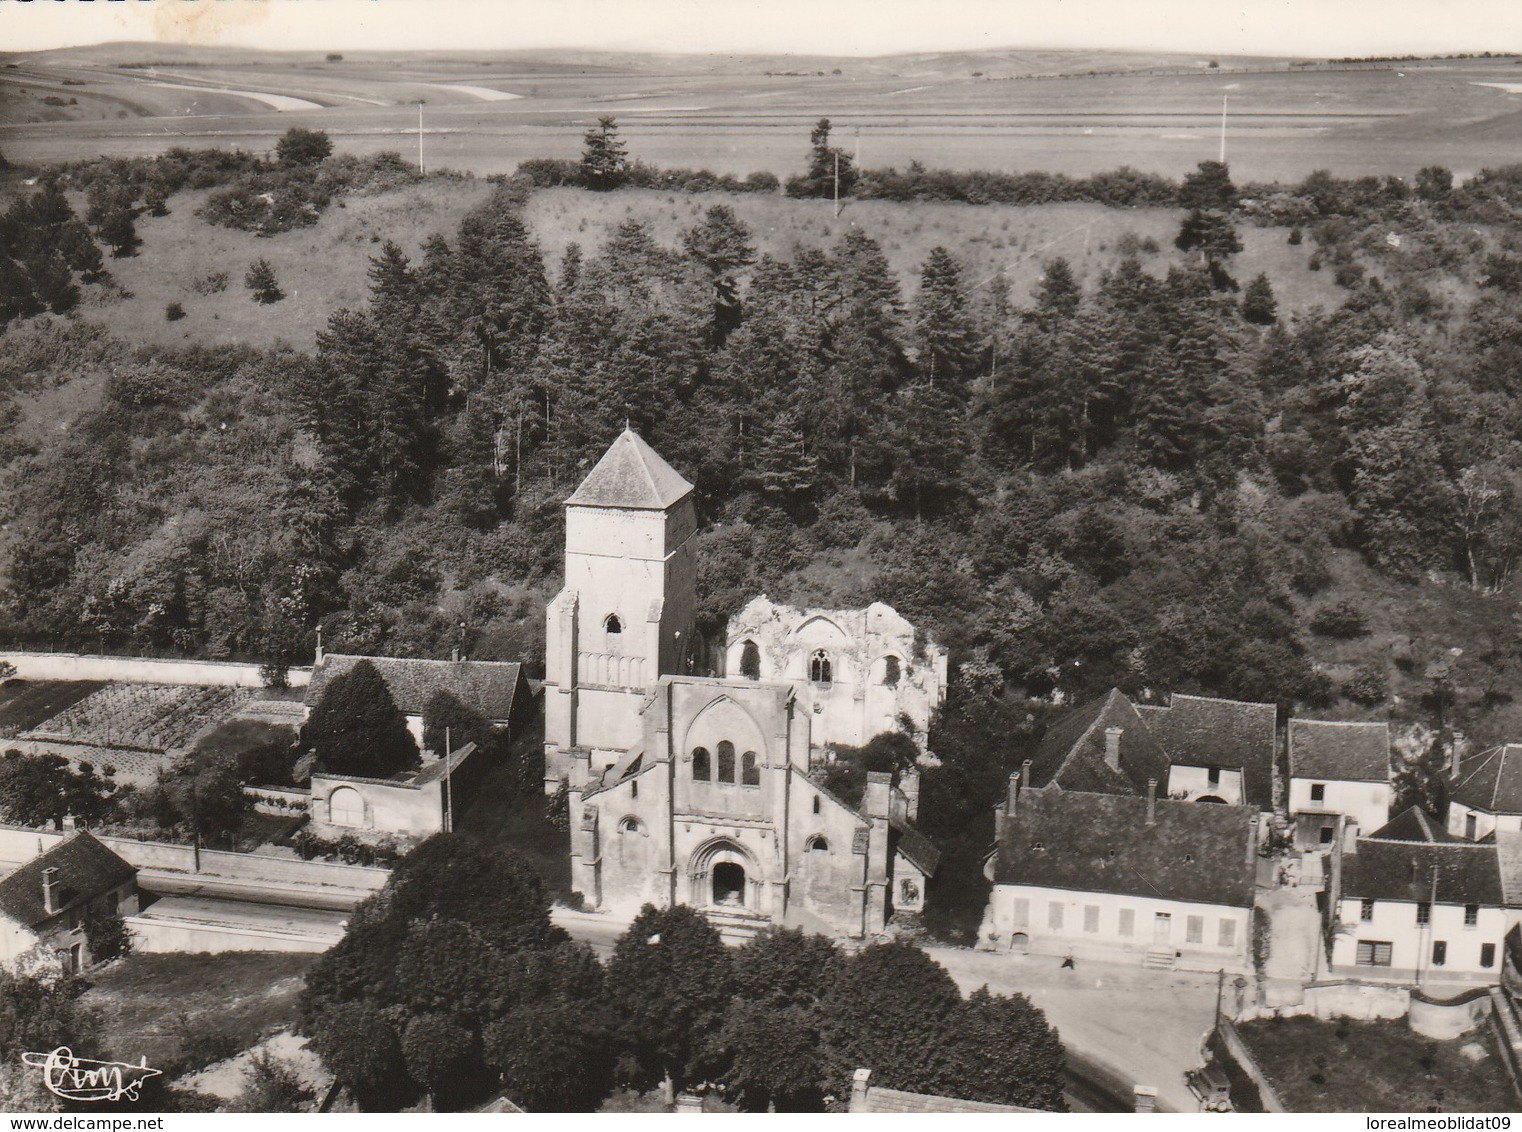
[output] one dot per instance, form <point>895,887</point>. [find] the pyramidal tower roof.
<point>631,474</point>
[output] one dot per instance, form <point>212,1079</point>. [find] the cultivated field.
<point>25,704</point>
<point>1064,112</point>
<point>140,717</point>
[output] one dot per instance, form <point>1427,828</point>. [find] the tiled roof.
<point>1072,753</point>
<point>1403,870</point>
<point>915,846</point>
<point>435,769</point>
<point>1200,731</point>
<point>1101,843</point>
<point>1509,860</point>
<point>630,474</point>
<point>86,869</point>
<point>1492,781</point>
<point>488,686</point>
<point>1339,752</point>
<point>1413,824</point>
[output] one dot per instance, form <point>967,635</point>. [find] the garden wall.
<point>1239,1052</point>
<point>142,669</point>
<point>19,845</point>
<point>152,934</point>
<point>1442,1019</point>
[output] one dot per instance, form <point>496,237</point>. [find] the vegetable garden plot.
<point>141,717</point>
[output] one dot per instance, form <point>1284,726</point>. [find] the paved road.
<point>1143,1026</point>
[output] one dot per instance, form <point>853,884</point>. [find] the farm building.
<point>44,903</point>
<point>1486,795</point>
<point>1413,904</point>
<point>1149,880</point>
<point>416,804</point>
<point>1337,769</point>
<point>1220,750</point>
<point>497,690</point>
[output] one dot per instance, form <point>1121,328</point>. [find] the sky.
<point>826,27</point>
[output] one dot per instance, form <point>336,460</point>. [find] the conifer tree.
<point>604,165</point>
<point>261,282</point>
<point>1258,304</point>
<point>356,727</point>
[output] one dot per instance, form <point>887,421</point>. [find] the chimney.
<point>1013,798</point>
<point>1456,755</point>
<point>1254,829</point>
<point>1112,747</point>
<point>879,787</point>
<point>455,655</point>
<point>1151,802</point>
<point>50,890</point>
<point>1025,774</point>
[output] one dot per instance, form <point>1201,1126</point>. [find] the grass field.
<point>1374,1067</point>
<point>323,268</point>
<point>1064,112</point>
<point>148,1004</point>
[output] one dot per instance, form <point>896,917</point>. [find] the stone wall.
<point>155,934</point>
<point>18,845</point>
<point>142,670</point>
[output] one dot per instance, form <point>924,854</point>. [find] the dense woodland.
<point>1147,481</point>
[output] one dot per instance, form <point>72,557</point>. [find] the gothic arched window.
<point>750,661</point>
<point>750,772</point>
<point>819,667</point>
<point>702,768</point>
<point>726,761</point>
<point>891,671</point>
<point>613,626</point>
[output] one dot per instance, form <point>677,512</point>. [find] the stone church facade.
<point>705,790</point>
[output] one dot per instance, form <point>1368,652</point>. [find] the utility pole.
<point>448,793</point>
<point>195,825</point>
<point>837,184</point>
<point>420,168</point>
<point>1224,99</point>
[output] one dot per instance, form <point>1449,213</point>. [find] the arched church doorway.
<point>728,885</point>
<point>1020,943</point>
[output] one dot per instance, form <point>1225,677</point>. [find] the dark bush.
<point>1341,620</point>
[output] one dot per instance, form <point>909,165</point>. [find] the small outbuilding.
<point>44,903</point>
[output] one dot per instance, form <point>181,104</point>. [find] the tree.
<point>356,727</point>
<point>1258,304</point>
<point>443,1057</point>
<point>1002,1050</point>
<point>359,1047</point>
<point>107,936</point>
<point>554,1056</point>
<point>722,245</point>
<point>111,214</point>
<point>1058,293</point>
<point>889,1008</point>
<point>43,789</point>
<point>1424,782</point>
<point>260,280</point>
<point>669,982</point>
<point>1434,183</point>
<point>272,1085</point>
<point>1212,234</point>
<point>830,168</point>
<point>943,326</point>
<point>446,713</point>
<point>303,148</point>
<point>1208,187</point>
<point>603,164</point>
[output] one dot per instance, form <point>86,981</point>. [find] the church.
<point>710,790</point>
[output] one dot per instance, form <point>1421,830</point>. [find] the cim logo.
<point>83,1079</point>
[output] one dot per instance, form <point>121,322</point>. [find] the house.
<point>867,1097</point>
<point>1486,794</point>
<point>1102,747</point>
<point>45,902</point>
<point>697,789</point>
<point>1337,769</point>
<point>417,804</point>
<point>1413,904</point>
<point>858,672</point>
<point>1220,750</point>
<point>496,689</point>
<point>1114,877</point>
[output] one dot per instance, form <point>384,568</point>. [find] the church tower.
<point>625,616</point>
